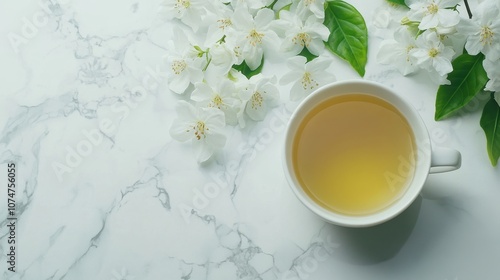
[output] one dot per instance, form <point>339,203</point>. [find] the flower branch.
<point>430,39</point>
<point>223,76</point>
<point>467,7</point>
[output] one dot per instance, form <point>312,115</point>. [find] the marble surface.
<point>134,204</point>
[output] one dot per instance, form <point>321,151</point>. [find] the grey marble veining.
<point>103,192</point>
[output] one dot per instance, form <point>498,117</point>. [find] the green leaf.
<point>348,34</point>
<point>307,54</point>
<point>467,79</point>
<point>490,122</point>
<point>398,2</point>
<point>245,70</point>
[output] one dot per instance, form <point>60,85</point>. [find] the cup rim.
<point>422,141</point>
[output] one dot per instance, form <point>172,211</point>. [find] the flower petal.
<point>186,110</point>
<point>318,65</point>
<point>213,118</point>
<point>429,21</point>
<point>296,63</point>
<point>264,17</point>
<point>320,29</point>
<point>291,76</point>
<point>216,140</point>
<point>201,92</point>
<point>256,113</point>
<point>179,83</point>
<point>179,131</point>
<point>289,46</point>
<point>254,57</point>
<point>473,47</point>
<point>297,92</point>
<point>186,117</point>
<point>449,3</point>
<point>493,85</point>
<point>195,73</point>
<point>202,151</point>
<point>316,47</point>
<point>493,72</point>
<point>385,53</point>
<point>448,18</point>
<point>442,65</point>
<point>242,19</point>
<point>317,9</point>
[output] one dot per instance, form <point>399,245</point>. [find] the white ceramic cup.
<point>427,160</point>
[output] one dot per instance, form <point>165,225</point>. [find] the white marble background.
<point>133,204</point>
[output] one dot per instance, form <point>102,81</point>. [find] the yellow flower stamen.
<point>408,49</point>
<point>237,51</point>
<point>432,9</point>
<point>257,100</point>
<point>486,35</point>
<point>200,130</point>
<point>255,37</point>
<point>224,23</point>
<point>178,66</point>
<point>217,102</point>
<point>308,82</point>
<point>309,2</point>
<point>302,39</point>
<point>433,52</point>
<point>182,4</point>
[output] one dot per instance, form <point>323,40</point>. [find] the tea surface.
<point>354,154</point>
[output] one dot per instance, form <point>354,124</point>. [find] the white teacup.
<point>428,160</point>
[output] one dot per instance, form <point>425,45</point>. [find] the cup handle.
<point>444,160</point>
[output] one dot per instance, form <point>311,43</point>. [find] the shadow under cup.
<point>421,141</point>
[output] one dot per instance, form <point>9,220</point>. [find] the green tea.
<point>347,151</point>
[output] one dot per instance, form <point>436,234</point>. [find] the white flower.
<point>455,41</point>
<point>306,76</point>
<point>253,35</point>
<point>299,34</point>
<point>433,13</point>
<point>190,12</point>
<point>388,15</point>
<point>260,96</point>
<point>432,54</point>
<point>240,81</point>
<point>223,56</point>
<point>219,94</point>
<point>483,31</point>
<point>397,51</point>
<point>437,78</point>
<point>306,7</point>
<point>183,65</point>
<point>252,5</point>
<point>221,24</point>
<point>493,71</point>
<point>203,126</point>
